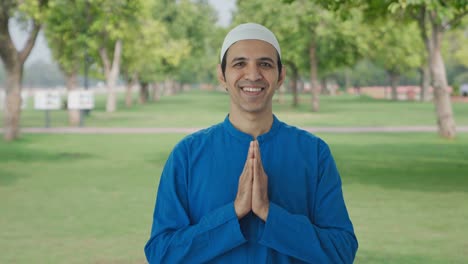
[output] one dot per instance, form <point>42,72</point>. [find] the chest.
<point>214,175</point>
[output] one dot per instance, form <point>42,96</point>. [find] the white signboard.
<point>80,100</point>
<point>47,100</point>
<point>24,100</point>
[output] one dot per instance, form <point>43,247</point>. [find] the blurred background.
<point>96,93</point>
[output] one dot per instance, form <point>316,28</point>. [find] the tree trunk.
<point>112,73</point>
<point>144,92</point>
<point>324,87</point>
<point>394,80</point>
<point>129,94</point>
<point>348,83</point>
<point>13,62</point>
<point>13,103</point>
<point>71,84</point>
<point>425,70</point>
<point>425,82</point>
<point>443,105</point>
<point>314,84</point>
<point>169,87</point>
<point>156,92</point>
<point>131,82</point>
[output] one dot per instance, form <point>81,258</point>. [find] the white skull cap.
<point>249,31</point>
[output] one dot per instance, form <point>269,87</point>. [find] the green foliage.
<point>340,43</point>
<point>455,48</point>
<point>173,39</point>
<point>447,12</point>
<point>31,9</point>
<point>395,46</point>
<point>148,47</point>
<point>67,32</point>
<point>195,22</point>
<point>79,28</point>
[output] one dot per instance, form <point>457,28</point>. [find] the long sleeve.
<point>327,235</point>
<point>174,239</point>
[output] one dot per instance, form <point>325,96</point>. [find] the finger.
<point>257,148</point>
<point>249,156</point>
<point>254,168</point>
<point>251,150</point>
<point>258,157</point>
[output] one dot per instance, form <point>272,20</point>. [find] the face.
<point>251,76</point>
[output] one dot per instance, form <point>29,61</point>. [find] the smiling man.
<point>251,189</point>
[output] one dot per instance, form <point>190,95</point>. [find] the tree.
<point>442,16</point>
<point>396,48</point>
<point>31,13</point>
<point>191,26</point>
<point>455,52</point>
<point>109,26</point>
<point>195,21</point>
<point>434,19</point>
<point>163,51</point>
<point>65,30</point>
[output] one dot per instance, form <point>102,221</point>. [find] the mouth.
<point>252,90</point>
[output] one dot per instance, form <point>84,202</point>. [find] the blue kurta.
<point>194,217</point>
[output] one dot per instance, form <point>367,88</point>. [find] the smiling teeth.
<point>250,89</point>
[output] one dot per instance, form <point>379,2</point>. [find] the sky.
<point>42,52</point>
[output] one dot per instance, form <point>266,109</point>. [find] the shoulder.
<point>199,139</point>
<point>306,140</point>
<point>300,134</point>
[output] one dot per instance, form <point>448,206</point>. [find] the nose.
<point>252,73</point>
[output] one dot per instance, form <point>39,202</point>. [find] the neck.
<point>254,124</point>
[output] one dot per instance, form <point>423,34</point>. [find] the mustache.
<point>244,83</point>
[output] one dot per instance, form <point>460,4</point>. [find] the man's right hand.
<point>243,202</point>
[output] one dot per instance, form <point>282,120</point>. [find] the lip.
<point>252,90</point>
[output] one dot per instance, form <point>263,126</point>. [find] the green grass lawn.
<point>89,198</point>
<point>201,109</point>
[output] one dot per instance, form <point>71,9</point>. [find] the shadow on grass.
<point>13,155</point>
<point>8,177</point>
<point>421,167</point>
<point>32,155</point>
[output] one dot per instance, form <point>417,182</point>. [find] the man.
<point>251,189</point>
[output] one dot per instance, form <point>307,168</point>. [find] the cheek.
<point>232,80</point>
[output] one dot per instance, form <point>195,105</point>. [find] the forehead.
<point>251,49</point>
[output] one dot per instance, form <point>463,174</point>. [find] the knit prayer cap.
<point>249,31</point>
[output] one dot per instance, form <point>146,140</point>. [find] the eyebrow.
<point>237,59</point>
<point>267,59</point>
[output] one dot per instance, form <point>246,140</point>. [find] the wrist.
<point>264,212</point>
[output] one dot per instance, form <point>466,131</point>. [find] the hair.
<point>223,64</point>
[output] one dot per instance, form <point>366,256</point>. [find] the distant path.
<point>187,130</point>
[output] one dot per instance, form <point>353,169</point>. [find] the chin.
<point>254,110</point>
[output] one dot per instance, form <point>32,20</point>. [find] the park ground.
<point>88,198</point>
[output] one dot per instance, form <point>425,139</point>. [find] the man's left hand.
<point>260,201</point>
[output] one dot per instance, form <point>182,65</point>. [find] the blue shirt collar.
<point>233,131</point>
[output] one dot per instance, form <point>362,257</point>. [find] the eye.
<point>265,64</point>
<point>238,64</point>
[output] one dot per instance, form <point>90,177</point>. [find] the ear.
<point>281,77</point>
<point>221,78</point>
